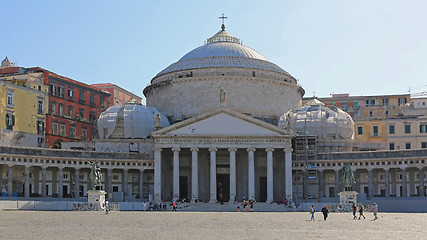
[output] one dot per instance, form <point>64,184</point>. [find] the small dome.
<point>318,120</point>
<point>131,120</point>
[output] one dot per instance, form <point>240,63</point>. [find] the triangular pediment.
<point>223,122</point>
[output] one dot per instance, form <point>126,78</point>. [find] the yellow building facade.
<point>23,105</point>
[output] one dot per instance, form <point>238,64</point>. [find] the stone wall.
<point>261,97</point>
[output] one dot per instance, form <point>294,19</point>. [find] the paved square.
<point>208,225</point>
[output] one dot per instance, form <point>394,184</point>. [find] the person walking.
<point>325,212</point>
<point>251,203</point>
<point>312,211</point>
<point>144,206</point>
<point>361,211</point>
<point>354,211</point>
<point>375,211</point>
<point>107,206</point>
<point>174,206</point>
<point>238,206</point>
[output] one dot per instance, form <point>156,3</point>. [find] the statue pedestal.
<point>96,200</point>
<point>347,199</point>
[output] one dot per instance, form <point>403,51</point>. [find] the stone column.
<point>141,183</point>
<point>337,181</point>
<point>321,183</point>
<point>270,184</point>
<point>387,182</point>
<point>157,174</point>
<point>393,185</point>
<point>27,182</point>
<point>305,183</point>
<point>213,175</point>
<point>404,185</point>
<point>251,173</point>
<point>77,183</point>
<point>232,173</point>
<point>44,181</point>
<point>421,182</point>
<point>194,174</point>
<point>125,182</point>
<point>370,183</point>
<point>110,180</point>
<point>175,173</point>
<point>288,173</point>
<point>10,181</point>
<point>61,182</point>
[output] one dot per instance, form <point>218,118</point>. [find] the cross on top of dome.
<point>223,36</point>
<point>223,25</point>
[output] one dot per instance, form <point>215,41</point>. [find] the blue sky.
<point>361,47</point>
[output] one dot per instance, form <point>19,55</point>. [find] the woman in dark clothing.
<point>325,212</point>
<point>361,211</point>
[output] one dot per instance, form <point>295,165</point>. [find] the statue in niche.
<point>222,97</point>
<point>158,119</point>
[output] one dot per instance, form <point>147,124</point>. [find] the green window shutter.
<point>13,120</point>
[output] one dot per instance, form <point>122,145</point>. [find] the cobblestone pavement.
<point>208,225</point>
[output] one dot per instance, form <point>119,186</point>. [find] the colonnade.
<point>59,180</point>
<point>213,173</point>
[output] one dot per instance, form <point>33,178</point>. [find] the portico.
<point>200,154</point>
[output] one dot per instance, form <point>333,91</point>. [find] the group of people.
<point>246,204</point>
<point>325,211</point>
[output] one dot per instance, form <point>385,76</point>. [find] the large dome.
<point>318,120</point>
<point>131,120</point>
<point>222,50</point>
<point>252,85</point>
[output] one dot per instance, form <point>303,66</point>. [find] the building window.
<point>423,128</point>
<point>62,129</point>
<point>55,128</point>
<point>40,106</point>
<point>407,145</point>
<point>92,117</point>
<point>82,97</point>
<point>370,114</point>
<point>40,142</point>
<point>60,91</point>
<point>53,108</point>
<point>424,145</point>
<point>9,99</point>
<point>401,101</point>
<point>386,113</point>
<point>391,129</point>
<point>375,131</point>
<point>72,132</point>
<point>407,128</point>
<point>385,101</point>
<point>60,109</point>
<point>101,102</point>
<point>370,102</point>
<point>92,100</point>
<point>70,111</point>
<point>84,133</point>
<point>10,120</point>
<point>356,114</point>
<point>70,93</point>
<point>81,113</point>
<point>52,89</point>
<point>391,146</point>
<point>40,127</point>
<point>359,130</point>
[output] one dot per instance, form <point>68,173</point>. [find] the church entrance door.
<point>262,189</point>
<point>183,189</point>
<point>223,187</point>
